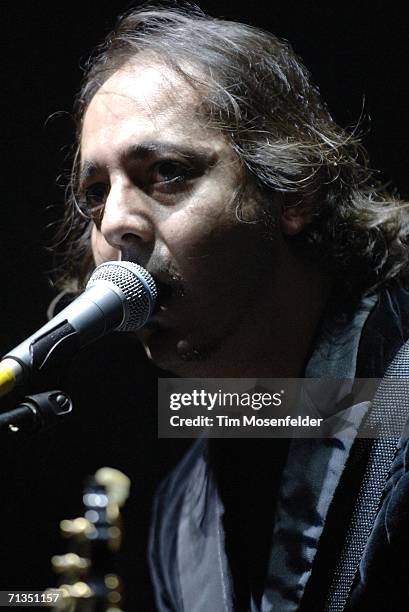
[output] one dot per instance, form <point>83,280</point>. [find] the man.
<point>207,156</point>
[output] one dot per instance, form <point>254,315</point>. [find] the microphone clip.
<point>36,412</point>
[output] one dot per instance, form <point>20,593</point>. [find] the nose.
<point>127,218</point>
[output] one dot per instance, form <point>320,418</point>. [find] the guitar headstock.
<point>88,581</point>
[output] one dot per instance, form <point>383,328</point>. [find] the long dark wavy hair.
<point>257,92</point>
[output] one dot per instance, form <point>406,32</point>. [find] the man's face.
<point>162,188</point>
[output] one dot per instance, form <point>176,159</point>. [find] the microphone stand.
<point>36,412</point>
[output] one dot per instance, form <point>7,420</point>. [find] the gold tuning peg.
<point>113,584</point>
<point>79,527</point>
<point>69,563</point>
<point>78,590</point>
<point>69,595</point>
<point>116,483</point>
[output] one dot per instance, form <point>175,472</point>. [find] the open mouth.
<point>172,288</point>
<point>165,293</point>
<point>160,317</point>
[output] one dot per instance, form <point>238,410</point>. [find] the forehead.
<point>142,101</point>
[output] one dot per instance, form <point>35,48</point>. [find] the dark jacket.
<point>259,525</point>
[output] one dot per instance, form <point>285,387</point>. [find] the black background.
<point>358,55</point>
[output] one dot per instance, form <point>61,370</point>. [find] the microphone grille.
<point>137,287</point>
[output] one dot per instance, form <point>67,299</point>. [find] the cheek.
<point>189,237</point>
<point>101,250</point>
<point>209,245</point>
<point>205,221</point>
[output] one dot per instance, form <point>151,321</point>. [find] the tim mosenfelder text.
<point>221,420</point>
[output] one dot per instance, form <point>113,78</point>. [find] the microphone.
<point>120,295</point>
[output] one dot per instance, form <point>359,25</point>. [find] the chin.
<point>180,355</point>
<point>160,348</point>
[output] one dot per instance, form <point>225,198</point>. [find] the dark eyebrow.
<point>87,171</point>
<point>147,149</point>
<point>143,151</point>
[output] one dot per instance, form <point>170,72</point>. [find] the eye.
<point>95,195</point>
<point>168,172</point>
<point>92,200</point>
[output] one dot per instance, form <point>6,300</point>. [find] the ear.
<point>295,215</point>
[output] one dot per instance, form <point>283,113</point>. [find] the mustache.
<point>168,280</point>
<point>169,283</point>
